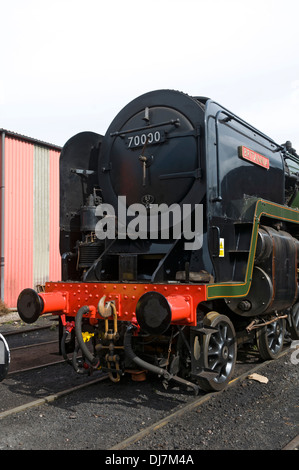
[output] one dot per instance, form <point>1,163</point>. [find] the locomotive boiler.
<point>179,242</point>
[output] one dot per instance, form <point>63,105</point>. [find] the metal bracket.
<point>186,174</point>
<point>82,172</point>
<point>173,122</point>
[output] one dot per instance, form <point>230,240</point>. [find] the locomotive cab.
<point>291,175</point>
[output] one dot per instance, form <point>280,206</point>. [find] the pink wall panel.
<point>1,254</point>
<point>55,259</point>
<point>18,230</point>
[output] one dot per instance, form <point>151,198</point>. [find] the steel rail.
<point>182,409</point>
<point>50,398</point>
<point>186,408</point>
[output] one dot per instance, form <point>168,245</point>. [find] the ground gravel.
<point>248,415</point>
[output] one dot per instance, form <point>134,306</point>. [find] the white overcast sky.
<point>69,66</point>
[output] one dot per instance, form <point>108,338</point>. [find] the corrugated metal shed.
<point>29,214</point>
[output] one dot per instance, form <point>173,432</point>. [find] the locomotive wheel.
<point>293,325</point>
<point>219,352</point>
<point>270,339</point>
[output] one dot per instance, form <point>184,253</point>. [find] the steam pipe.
<point>146,365</point>
<point>78,329</point>
<point>143,364</point>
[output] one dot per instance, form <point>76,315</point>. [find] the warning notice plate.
<point>221,248</point>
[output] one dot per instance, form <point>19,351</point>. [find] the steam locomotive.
<point>140,295</point>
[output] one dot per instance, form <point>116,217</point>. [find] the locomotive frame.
<point>151,306</point>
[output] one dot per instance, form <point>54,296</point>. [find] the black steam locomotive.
<point>179,242</point>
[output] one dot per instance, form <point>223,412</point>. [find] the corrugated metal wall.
<point>31,234</point>
<point>2,171</point>
<point>54,259</point>
<point>18,222</point>
<point>41,176</point>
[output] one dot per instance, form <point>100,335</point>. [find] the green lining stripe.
<point>262,207</point>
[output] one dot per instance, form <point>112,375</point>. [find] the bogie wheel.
<point>293,324</point>
<point>219,352</point>
<point>270,338</point>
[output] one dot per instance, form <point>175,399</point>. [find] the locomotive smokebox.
<point>155,313</point>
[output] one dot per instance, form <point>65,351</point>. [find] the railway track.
<point>33,356</point>
<point>196,403</point>
<point>32,348</point>
<point>146,432</point>
<point>49,398</point>
<point>51,385</point>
